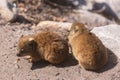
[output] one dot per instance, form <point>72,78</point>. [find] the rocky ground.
<point>15,68</point>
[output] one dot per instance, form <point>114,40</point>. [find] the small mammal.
<point>8,11</point>
<point>87,48</point>
<point>46,46</point>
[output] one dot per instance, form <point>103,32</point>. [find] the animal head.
<point>77,29</point>
<point>26,46</point>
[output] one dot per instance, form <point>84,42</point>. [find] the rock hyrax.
<point>47,45</point>
<point>87,48</point>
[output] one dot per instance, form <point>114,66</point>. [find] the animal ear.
<point>89,28</point>
<point>32,42</point>
<point>76,28</point>
<point>31,39</point>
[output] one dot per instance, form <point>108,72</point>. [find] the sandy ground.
<point>13,69</point>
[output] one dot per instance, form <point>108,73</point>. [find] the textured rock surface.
<point>7,11</point>
<point>110,36</point>
<point>58,27</point>
<point>114,4</point>
<point>107,8</point>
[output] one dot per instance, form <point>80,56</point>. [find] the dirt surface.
<point>15,68</point>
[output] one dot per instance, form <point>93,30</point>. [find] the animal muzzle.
<point>19,54</point>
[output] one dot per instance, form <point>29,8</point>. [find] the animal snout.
<point>18,54</point>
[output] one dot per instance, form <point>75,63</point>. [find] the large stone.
<point>91,19</point>
<point>110,36</point>
<point>61,28</point>
<point>8,11</point>
<point>114,4</point>
<point>107,8</point>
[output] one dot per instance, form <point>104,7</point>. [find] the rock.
<point>110,36</point>
<point>8,11</point>
<point>57,74</point>
<point>58,27</point>
<point>71,3</point>
<point>114,4</point>
<point>17,66</point>
<point>54,24</point>
<point>107,8</point>
<point>91,19</point>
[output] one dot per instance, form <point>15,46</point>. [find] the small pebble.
<point>57,74</point>
<point>17,66</point>
<point>17,60</point>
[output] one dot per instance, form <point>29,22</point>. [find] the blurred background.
<point>90,12</point>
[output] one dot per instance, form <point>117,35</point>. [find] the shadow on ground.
<point>70,61</point>
<point>39,64</point>
<point>112,62</point>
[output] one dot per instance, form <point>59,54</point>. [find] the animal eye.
<point>76,30</point>
<point>22,50</point>
<point>30,44</point>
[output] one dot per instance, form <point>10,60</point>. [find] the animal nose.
<point>18,55</point>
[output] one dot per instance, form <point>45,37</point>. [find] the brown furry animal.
<point>45,45</point>
<point>87,48</point>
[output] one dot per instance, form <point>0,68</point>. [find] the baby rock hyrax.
<point>87,48</point>
<point>48,46</point>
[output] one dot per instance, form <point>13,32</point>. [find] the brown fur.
<point>87,48</point>
<point>47,46</point>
